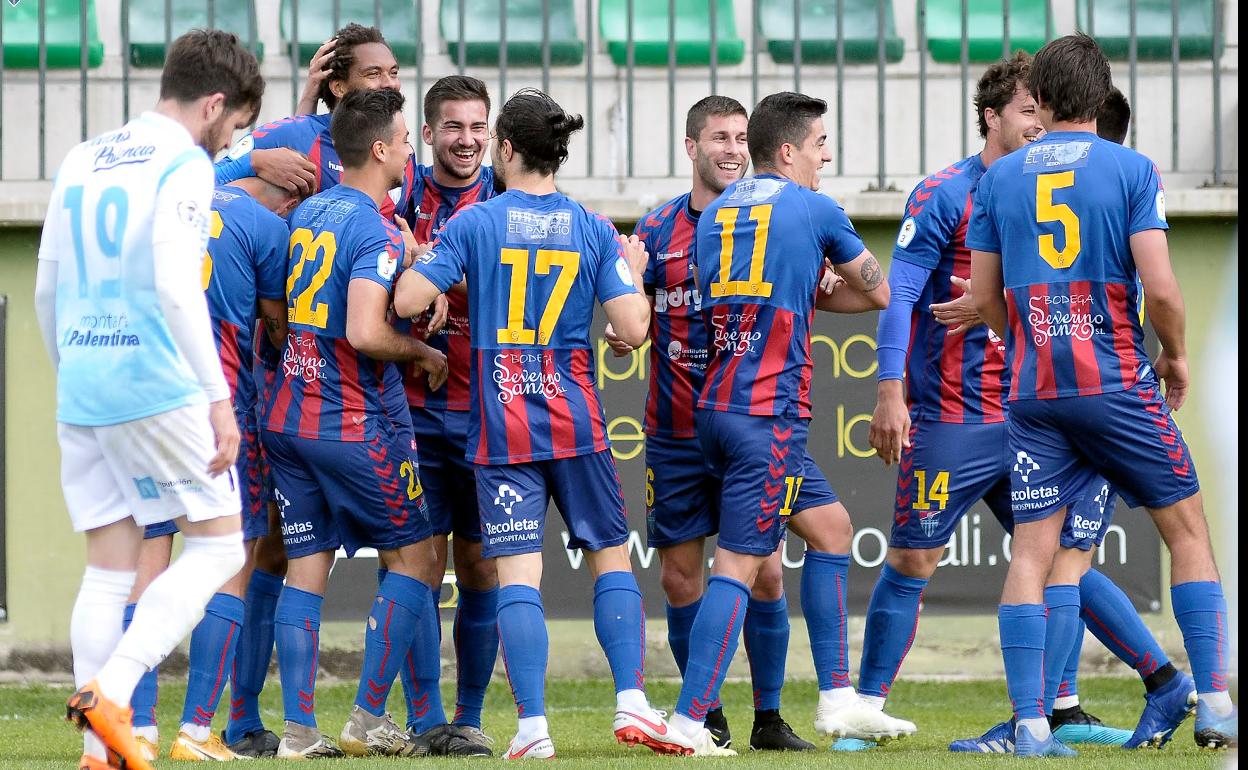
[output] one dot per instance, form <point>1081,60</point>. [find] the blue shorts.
<point>1058,446</point>
<point>513,500</point>
<point>951,466</point>
<point>448,478</point>
<point>353,494</point>
<point>761,461</point>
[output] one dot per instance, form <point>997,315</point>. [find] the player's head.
<point>368,129</point>
<point>1114,117</point>
<point>457,127</point>
<point>715,133</point>
<point>217,83</point>
<point>1070,80</point>
<point>786,137</point>
<point>531,135</point>
<point>1007,110</point>
<point>362,60</point>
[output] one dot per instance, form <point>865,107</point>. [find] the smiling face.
<point>808,157</point>
<point>373,66</point>
<point>720,155</point>
<point>458,138</point>
<point>1019,121</point>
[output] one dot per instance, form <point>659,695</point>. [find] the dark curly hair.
<point>345,42</point>
<point>997,85</point>
<point>538,129</point>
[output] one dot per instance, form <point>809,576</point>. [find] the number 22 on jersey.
<point>569,264</point>
<point>319,251</point>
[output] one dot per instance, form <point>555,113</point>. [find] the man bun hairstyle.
<point>360,119</point>
<point>997,85</point>
<point>780,119</point>
<point>538,129</point>
<point>203,62</point>
<point>1114,117</point>
<point>454,88</point>
<point>718,106</point>
<point>1071,77</point>
<point>345,41</point>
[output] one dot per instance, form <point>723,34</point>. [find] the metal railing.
<point>582,87</point>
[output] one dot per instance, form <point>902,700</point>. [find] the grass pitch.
<point>34,737</point>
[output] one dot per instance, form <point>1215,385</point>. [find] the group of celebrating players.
<point>291,340</point>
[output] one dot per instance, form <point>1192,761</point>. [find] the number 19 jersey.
<point>760,251</point>
<point>534,264</point>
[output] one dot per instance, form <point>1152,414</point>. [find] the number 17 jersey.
<point>760,251</point>
<point>534,264</point>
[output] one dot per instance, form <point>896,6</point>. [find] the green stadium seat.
<point>147,25</point>
<point>818,30</point>
<point>693,24</point>
<point>316,24</point>
<point>62,34</point>
<point>1112,28</point>
<point>482,42</point>
<point>984,28</point>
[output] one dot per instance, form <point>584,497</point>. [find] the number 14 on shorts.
<point>937,493</point>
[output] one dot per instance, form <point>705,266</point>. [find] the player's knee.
<point>477,574</point>
<point>681,582</point>
<point>220,556</point>
<point>270,554</point>
<point>915,562</point>
<point>826,528</point>
<point>769,584</point>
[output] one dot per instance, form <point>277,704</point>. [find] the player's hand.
<point>441,309</point>
<point>433,362</point>
<point>890,424</point>
<point>618,346</point>
<point>285,168</point>
<point>1173,372</point>
<point>958,314</point>
<point>318,72</point>
<point>636,255</point>
<point>829,280</point>
<point>412,250</point>
<point>225,431</point>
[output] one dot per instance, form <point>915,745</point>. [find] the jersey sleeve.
<point>643,232</point>
<point>928,227</point>
<point>1148,199</point>
<point>614,278</point>
<point>445,263</point>
<point>376,259</point>
<point>982,233</point>
<point>837,238</point>
<point>272,239</point>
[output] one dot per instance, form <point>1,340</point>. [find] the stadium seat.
<point>818,30</point>
<point>693,24</point>
<point>524,32</point>
<point>61,34</point>
<point>147,25</point>
<point>317,24</point>
<point>983,28</point>
<point>1112,28</point>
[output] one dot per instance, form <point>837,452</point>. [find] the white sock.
<point>686,726</point>
<point>95,624</point>
<point>151,733</point>
<point>838,697</point>
<point>1219,702</point>
<point>169,609</point>
<point>1039,727</point>
<point>631,700</point>
<point>530,729</point>
<point>92,746</point>
<point>874,701</point>
<point>197,732</point>
<point>1066,702</point>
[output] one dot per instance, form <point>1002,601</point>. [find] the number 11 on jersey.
<point>754,285</point>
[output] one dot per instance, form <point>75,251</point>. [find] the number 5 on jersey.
<point>569,264</point>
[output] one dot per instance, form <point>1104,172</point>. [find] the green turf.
<point>32,735</point>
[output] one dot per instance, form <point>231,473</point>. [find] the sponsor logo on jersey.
<point>1024,466</point>
<point>677,297</point>
<point>728,335</point>
<point>111,155</point>
<point>514,380</point>
<point>302,360</point>
<point>552,227</point>
<point>1084,528</point>
<point>1045,156</point>
<point>756,190</point>
<point>147,488</point>
<point>1063,316</point>
<point>507,498</point>
<point>663,256</point>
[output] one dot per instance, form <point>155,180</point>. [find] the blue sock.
<point>892,620</point>
<point>525,645</point>
<point>297,630</point>
<point>1069,686</point>
<point>1062,604</point>
<point>213,643</point>
<point>767,646</point>
<point>712,643</point>
<point>388,635</point>
<point>422,666</point>
<point>145,695</point>
<point>620,625</point>
<point>1022,629</point>
<point>476,650</point>
<point>679,624</point>
<point>1112,619</point>
<point>251,660</point>
<point>1200,609</point>
<point>825,580</point>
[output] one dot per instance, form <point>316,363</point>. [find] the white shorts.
<point>152,470</point>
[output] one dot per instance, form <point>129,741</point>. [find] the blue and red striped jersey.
<point>432,205</point>
<point>309,134</point>
<point>760,251</point>
<point>958,378</point>
<point>1061,213</point>
<point>329,390</point>
<point>245,261</point>
<point>677,332</point>
<point>535,264</point>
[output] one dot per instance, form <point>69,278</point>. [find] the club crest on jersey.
<point>1046,156</point>
<point>908,229</point>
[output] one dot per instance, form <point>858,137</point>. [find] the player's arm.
<point>989,285</point>
<point>266,157</point>
<point>273,316</point>
<point>865,288</point>
<point>46,276</point>
<point>890,423</point>
<point>1166,311</point>
<point>629,312</point>
<point>436,267</point>
<point>318,71</point>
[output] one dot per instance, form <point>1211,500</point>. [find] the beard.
<point>215,137</point>
<point>447,162</point>
<point>708,172</point>
<point>500,184</point>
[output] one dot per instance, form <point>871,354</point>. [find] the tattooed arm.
<point>864,289</point>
